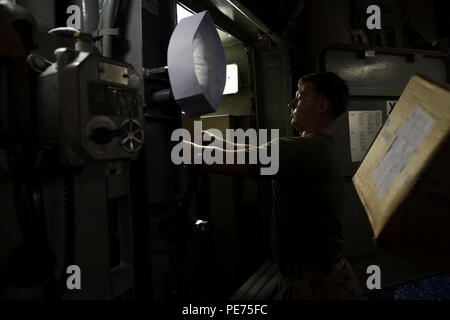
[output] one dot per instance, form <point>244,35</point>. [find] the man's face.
<point>304,106</point>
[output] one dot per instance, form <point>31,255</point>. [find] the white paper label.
<point>409,138</point>
<point>364,126</point>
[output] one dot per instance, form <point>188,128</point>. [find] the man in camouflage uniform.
<point>308,191</point>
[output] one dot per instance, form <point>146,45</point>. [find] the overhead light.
<point>197,65</point>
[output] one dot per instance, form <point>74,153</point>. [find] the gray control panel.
<point>91,106</point>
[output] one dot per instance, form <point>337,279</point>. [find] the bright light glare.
<point>182,13</point>
<point>231,85</point>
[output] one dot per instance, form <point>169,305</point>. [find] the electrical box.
<point>91,106</point>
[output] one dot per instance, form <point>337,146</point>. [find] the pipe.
<point>107,21</point>
<point>162,97</point>
<point>89,14</point>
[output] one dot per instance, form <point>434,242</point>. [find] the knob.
<point>104,135</point>
<point>132,135</point>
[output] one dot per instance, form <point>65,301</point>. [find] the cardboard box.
<point>403,182</point>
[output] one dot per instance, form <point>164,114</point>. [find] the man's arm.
<point>231,151</point>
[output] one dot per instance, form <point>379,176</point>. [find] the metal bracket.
<point>98,34</point>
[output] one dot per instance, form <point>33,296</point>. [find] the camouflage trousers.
<point>340,283</point>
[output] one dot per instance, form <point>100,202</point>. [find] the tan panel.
<point>113,73</point>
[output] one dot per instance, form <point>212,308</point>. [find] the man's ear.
<point>325,107</point>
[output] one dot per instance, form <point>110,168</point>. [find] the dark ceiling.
<point>420,23</point>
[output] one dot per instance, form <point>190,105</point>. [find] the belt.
<point>300,269</point>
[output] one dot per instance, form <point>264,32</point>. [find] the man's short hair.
<point>331,87</point>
